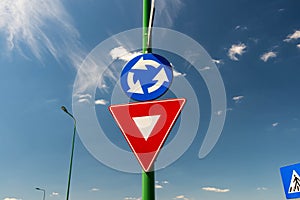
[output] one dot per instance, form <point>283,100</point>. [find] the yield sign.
<point>146,126</point>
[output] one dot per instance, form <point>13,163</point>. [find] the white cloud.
<point>262,188</point>
<point>177,74</point>
<point>41,27</point>
<point>101,102</point>
<point>217,61</point>
<point>293,36</point>
<point>132,198</point>
<point>213,189</point>
<point>102,86</point>
<point>298,45</point>
<point>229,109</point>
<point>11,198</point>
<point>84,98</point>
<point>94,190</point>
<point>239,27</point>
<point>123,54</point>
<point>219,112</point>
<point>236,49</point>
<point>275,124</point>
<point>205,68</point>
<point>165,182</point>
<point>53,194</point>
<point>237,98</point>
<point>266,56</point>
<point>181,197</point>
<point>166,11</point>
<point>157,186</point>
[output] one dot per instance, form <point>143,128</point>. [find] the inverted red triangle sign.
<point>146,125</point>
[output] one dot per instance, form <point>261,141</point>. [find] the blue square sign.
<point>291,180</point>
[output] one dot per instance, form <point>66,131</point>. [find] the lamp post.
<point>43,190</point>
<point>72,150</point>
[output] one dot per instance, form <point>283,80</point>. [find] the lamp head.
<point>64,109</point>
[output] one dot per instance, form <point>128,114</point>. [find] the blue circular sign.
<point>146,77</point>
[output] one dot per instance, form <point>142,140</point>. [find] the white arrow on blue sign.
<point>291,180</point>
<point>146,77</point>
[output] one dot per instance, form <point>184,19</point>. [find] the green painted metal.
<point>146,16</point>
<point>71,159</point>
<point>148,178</point>
<point>148,185</point>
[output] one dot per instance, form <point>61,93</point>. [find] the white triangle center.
<point>295,183</point>
<point>146,124</point>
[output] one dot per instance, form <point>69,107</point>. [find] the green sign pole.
<point>148,178</point>
<point>146,17</point>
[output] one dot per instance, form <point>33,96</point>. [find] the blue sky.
<point>254,44</point>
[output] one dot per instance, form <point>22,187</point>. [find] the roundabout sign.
<point>146,77</point>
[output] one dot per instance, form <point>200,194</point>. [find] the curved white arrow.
<point>134,87</point>
<point>161,77</point>
<point>141,64</point>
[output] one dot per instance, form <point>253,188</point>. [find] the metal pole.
<point>146,17</point>
<point>44,191</point>
<point>72,151</point>
<point>44,195</point>
<point>148,178</point>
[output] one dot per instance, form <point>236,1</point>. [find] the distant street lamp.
<point>72,151</point>
<point>43,190</point>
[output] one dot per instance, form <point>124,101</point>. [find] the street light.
<point>43,190</point>
<point>72,151</point>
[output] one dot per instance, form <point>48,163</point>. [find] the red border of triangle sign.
<point>146,126</point>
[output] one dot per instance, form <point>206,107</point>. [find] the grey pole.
<point>43,190</point>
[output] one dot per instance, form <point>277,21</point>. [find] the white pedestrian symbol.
<point>295,183</point>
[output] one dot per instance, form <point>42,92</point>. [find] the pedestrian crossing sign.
<point>291,180</point>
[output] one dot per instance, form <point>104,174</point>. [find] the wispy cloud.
<point>213,189</point>
<point>181,197</point>
<point>84,98</point>
<point>123,54</point>
<point>217,61</point>
<point>11,198</point>
<point>177,74</point>
<point>262,188</point>
<point>236,49</point>
<point>237,99</point>
<point>53,194</point>
<point>101,102</point>
<point>293,36</point>
<point>298,45</point>
<point>132,198</point>
<point>266,56</point>
<point>160,184</point>
<point>166,11</point>
<point>204,68</point>
<point>239,27</point>
<point>219,112</point>
<point>41,27</point>
<point>94,189</point>
<point>275,124</point>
